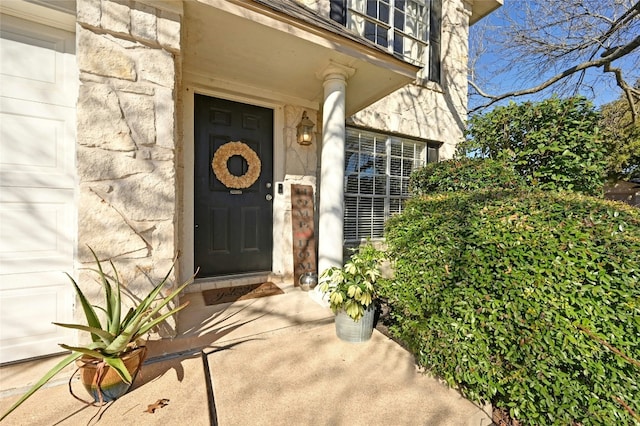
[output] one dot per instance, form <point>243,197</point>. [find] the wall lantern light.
<point>305,130</point>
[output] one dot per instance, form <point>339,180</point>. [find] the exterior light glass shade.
<point>305,130</point>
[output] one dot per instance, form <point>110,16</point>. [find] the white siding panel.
<point>36,149</point>
<point>38,63</point>
<point>38,92</point>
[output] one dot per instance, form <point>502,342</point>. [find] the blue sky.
<point>497,75</point>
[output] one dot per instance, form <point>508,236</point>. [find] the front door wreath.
<point>221,169</point>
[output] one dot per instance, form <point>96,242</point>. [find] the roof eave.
<point>482,8</point>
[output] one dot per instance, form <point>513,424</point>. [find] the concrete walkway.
<point>269,361</point>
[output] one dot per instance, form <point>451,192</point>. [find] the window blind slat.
<point>377,173</point>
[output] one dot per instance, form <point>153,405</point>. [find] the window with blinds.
<point>377,170</point>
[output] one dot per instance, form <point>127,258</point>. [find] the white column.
<point>331,205</point>
<point>331,208</point>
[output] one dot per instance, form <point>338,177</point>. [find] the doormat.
<point>232,294</point>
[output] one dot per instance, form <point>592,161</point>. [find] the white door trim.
<point>186,236</point>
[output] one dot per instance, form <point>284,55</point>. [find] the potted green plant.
<point>352,293</point>
<point>110,362</point>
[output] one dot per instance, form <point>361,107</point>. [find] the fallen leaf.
<point>151,408</point>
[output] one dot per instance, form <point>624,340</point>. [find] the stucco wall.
<point>128,57</point>
<point>430,111</point>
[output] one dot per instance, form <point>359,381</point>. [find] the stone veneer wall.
<point>300,167</point>
<point>429,111</point>
<point>128,55</point>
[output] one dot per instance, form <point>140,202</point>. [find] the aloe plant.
<point>114,336</point>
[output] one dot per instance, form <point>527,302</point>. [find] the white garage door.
<point>38,92</point>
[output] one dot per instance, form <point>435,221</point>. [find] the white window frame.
<point>415,31</point>
<point>376,179</point>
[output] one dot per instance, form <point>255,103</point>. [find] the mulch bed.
<point>501,418</point>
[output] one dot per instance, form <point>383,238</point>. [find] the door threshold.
<point>227,281</point>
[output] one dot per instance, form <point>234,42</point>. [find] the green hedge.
<point>527,299</point>
<point>465,174</point>
<point>553,144</point>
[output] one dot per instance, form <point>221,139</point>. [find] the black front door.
<point>233,187</point>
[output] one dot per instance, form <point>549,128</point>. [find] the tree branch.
<point>608,57</point>
<point>622,20</point>
<point>628,90</point>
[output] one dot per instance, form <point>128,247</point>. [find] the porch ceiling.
<point>250,45</point>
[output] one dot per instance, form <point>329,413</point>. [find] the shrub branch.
<point>609,346</point>
<point>626,407</point>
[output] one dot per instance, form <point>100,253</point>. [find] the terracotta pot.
<point>110,385</point>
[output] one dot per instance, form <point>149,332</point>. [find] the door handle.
<point>269,197</point>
